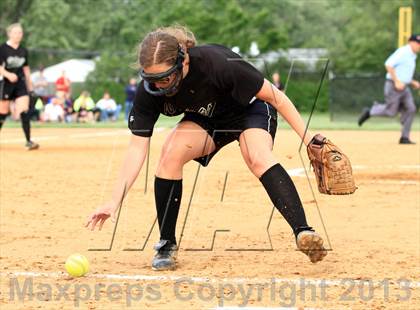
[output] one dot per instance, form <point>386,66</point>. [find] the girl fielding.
<point>223,98</point>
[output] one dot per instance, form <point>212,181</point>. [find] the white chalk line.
<point>21,140</point>
<point>99,134</point>
<point>186,278</point>
<point>265,308</point>
<point>118,132</point>
<point>300,172</point>
<point>361,167</point>
<point>69,136</point>
<point>390,182</point>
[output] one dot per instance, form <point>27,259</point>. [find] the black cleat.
<point>404,140</point>
<point>31,145</point>
<point>364,116</point>
<point>165,258</point>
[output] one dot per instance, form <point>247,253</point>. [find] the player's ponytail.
<point>161,45</point>
<point>184,36</point>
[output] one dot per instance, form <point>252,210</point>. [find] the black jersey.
<point>14,59</point>
<point>219,85</point>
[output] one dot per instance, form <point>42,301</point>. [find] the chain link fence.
<point>348,95</point>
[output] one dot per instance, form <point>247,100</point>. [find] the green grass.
<point>322,121</point>
<point>318,121</point>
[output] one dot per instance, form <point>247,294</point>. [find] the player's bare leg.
<point>256,147</point>
<point>4,111</point>
<point>22,111</point>
<point>186,142</point>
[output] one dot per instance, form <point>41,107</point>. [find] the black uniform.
<point>14,60</point>
<point>218,94</point>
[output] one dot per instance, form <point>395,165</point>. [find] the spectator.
<point>54,111</point>
<point>68,108</point>
<point>83,108</point>
<point>130,92</point>
<point>277,82</point>
<point>108,108</point>
<point>63,84</point>
<point>37,110</point>
<point>40,85</point>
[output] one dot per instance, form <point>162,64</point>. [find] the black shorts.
<point>259,114</point>
<point>11,91</point>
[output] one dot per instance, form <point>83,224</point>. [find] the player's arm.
<point>285,107</point>
<point>392,73</point>
<point>136,154</point>
<point>415,84</point>
<point>8,75</point>
<point>390,64</point>
<point>2,65</point>
<point>131,167</point>
<point>398,84</point>
<point>27,73</point>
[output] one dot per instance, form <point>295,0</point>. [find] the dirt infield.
<point>46,195</point>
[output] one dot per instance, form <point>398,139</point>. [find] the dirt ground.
<point>46,195</point>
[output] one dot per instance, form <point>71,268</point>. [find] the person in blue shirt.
<point>400,67</point>
<point>130,93</point>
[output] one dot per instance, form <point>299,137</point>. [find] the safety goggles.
<point>162,77</point>
<point>173,76</point>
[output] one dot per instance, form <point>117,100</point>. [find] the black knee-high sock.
<point>2,119</point>
<point>26,124</point>
<point>168,195</point>
<point>285,197</point>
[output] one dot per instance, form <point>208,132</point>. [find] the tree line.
<point>358,34</point>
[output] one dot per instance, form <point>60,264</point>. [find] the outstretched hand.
<point>99,217</point>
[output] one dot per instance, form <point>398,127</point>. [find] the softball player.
<point>14,69</point>
<point>223,98</point>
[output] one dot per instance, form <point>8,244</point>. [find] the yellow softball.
<point>77,265</point>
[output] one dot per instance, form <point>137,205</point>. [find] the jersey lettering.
<point>15,62</point>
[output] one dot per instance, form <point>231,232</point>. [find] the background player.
<point>224,98</point>
<point>277,81</point>
<point>14,69</point>
<point>400,67</point>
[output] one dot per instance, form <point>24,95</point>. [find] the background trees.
<point>358,35</point>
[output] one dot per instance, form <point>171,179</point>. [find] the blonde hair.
<point>184,36</point>
<point>162,44</point>
<point>12,26</point>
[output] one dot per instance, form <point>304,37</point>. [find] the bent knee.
<point>258,163</point>
<point>391,113</point>
<point>173,155</point>
<point>171,164</point>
